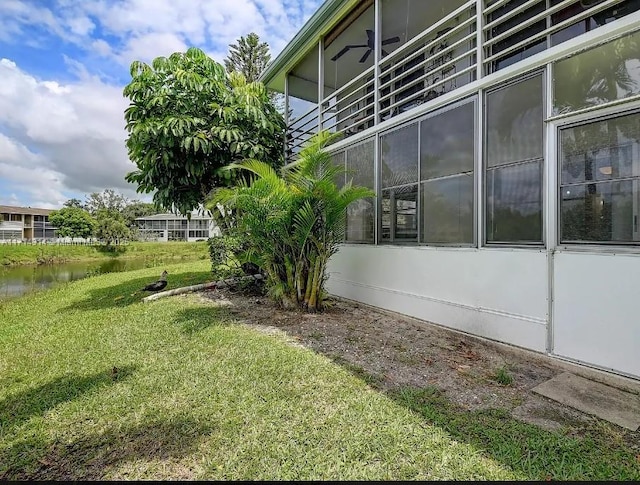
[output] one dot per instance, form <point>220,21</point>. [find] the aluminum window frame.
<point>380,189</point>
<point>333,152</point>
<point>581,119</point>
<point>475,100</point>
<point>543,244</point>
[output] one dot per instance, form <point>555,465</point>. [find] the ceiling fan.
<point>370,45</point>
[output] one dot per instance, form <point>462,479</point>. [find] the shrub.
<point>292,222</point>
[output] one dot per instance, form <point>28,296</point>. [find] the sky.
<point>64,64</point>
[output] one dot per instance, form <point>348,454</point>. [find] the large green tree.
<point>111,227</point>
<point>248,57</point>
<point>73,222</point>
<point>187,120</point>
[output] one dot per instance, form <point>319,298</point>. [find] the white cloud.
<point>149,28</point>
<point>29,172</point>
<point>101,47</point>
<point>75,134</point>
<point>146,47</point>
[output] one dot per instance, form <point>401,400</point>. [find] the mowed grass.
<point>19,254</point>
<point>95,384</point>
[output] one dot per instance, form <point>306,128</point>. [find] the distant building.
<point>25,223</point>
<point>172,227</point>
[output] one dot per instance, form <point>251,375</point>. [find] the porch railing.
<point>439,60</point>
<point>452,52</point>
<point>350,109</point>
<point>300,130</point>
<point>523,22</point>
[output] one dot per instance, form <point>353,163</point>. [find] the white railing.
<point>543,34</point>
<point>439,60</point>
<point>300,130</point>
<point>452,52</point>
<point>351,108</point>
<point>11,225</point>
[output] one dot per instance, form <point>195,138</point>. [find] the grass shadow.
<point>129,292</point>
<point>22,406</point>
<point>93,456</point>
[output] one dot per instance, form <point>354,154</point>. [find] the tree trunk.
<point>315,285</point>
<point>310,269</point>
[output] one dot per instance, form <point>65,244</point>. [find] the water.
<point>18,280</point>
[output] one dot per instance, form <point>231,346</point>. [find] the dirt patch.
<point>390,352</point>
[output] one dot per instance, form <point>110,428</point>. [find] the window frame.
<point>580,120</point>
<point>379,189</point>
<point>543,243</point>
<point>475,100</point>
<point>364,141</point>
<point>376,199</point>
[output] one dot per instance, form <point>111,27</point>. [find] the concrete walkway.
<point>606,402</point>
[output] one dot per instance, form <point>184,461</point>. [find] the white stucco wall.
<point>500,294</point>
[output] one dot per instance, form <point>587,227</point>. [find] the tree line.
<point>108,216</point>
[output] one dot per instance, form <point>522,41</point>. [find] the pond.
<point>18,280</point>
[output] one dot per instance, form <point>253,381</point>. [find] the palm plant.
<point>293,221</point>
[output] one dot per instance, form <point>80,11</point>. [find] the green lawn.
<point>95,384</point>
<point>52,253</point>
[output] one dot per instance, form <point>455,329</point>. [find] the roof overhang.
<point>9,209</point>
<point>320,23</point>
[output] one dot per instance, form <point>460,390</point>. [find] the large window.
<point>359,163</point>
<point>360,171</point>
<point>10,234</point>
<point>427,179</point>
<point>600,181</point>
<point>600,75</point>
<point>399,184</point>
<point>447,159</point>
<point>514,162</point>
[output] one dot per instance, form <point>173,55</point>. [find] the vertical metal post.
<point>479,39</point>
<point>377,57</point>
<point>551,196</point>
<point>377,212</point>
<point>480,216</point>
<point>286,114</point>
<point>376,180</point>
<point>320,80</point>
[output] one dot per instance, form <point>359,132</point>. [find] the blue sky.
<point>63,64</point>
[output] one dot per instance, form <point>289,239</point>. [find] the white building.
<point>172,227</point>
<point>502,138</point>
<point>25,224</point>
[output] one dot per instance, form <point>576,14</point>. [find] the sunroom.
<point>502,138</point>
